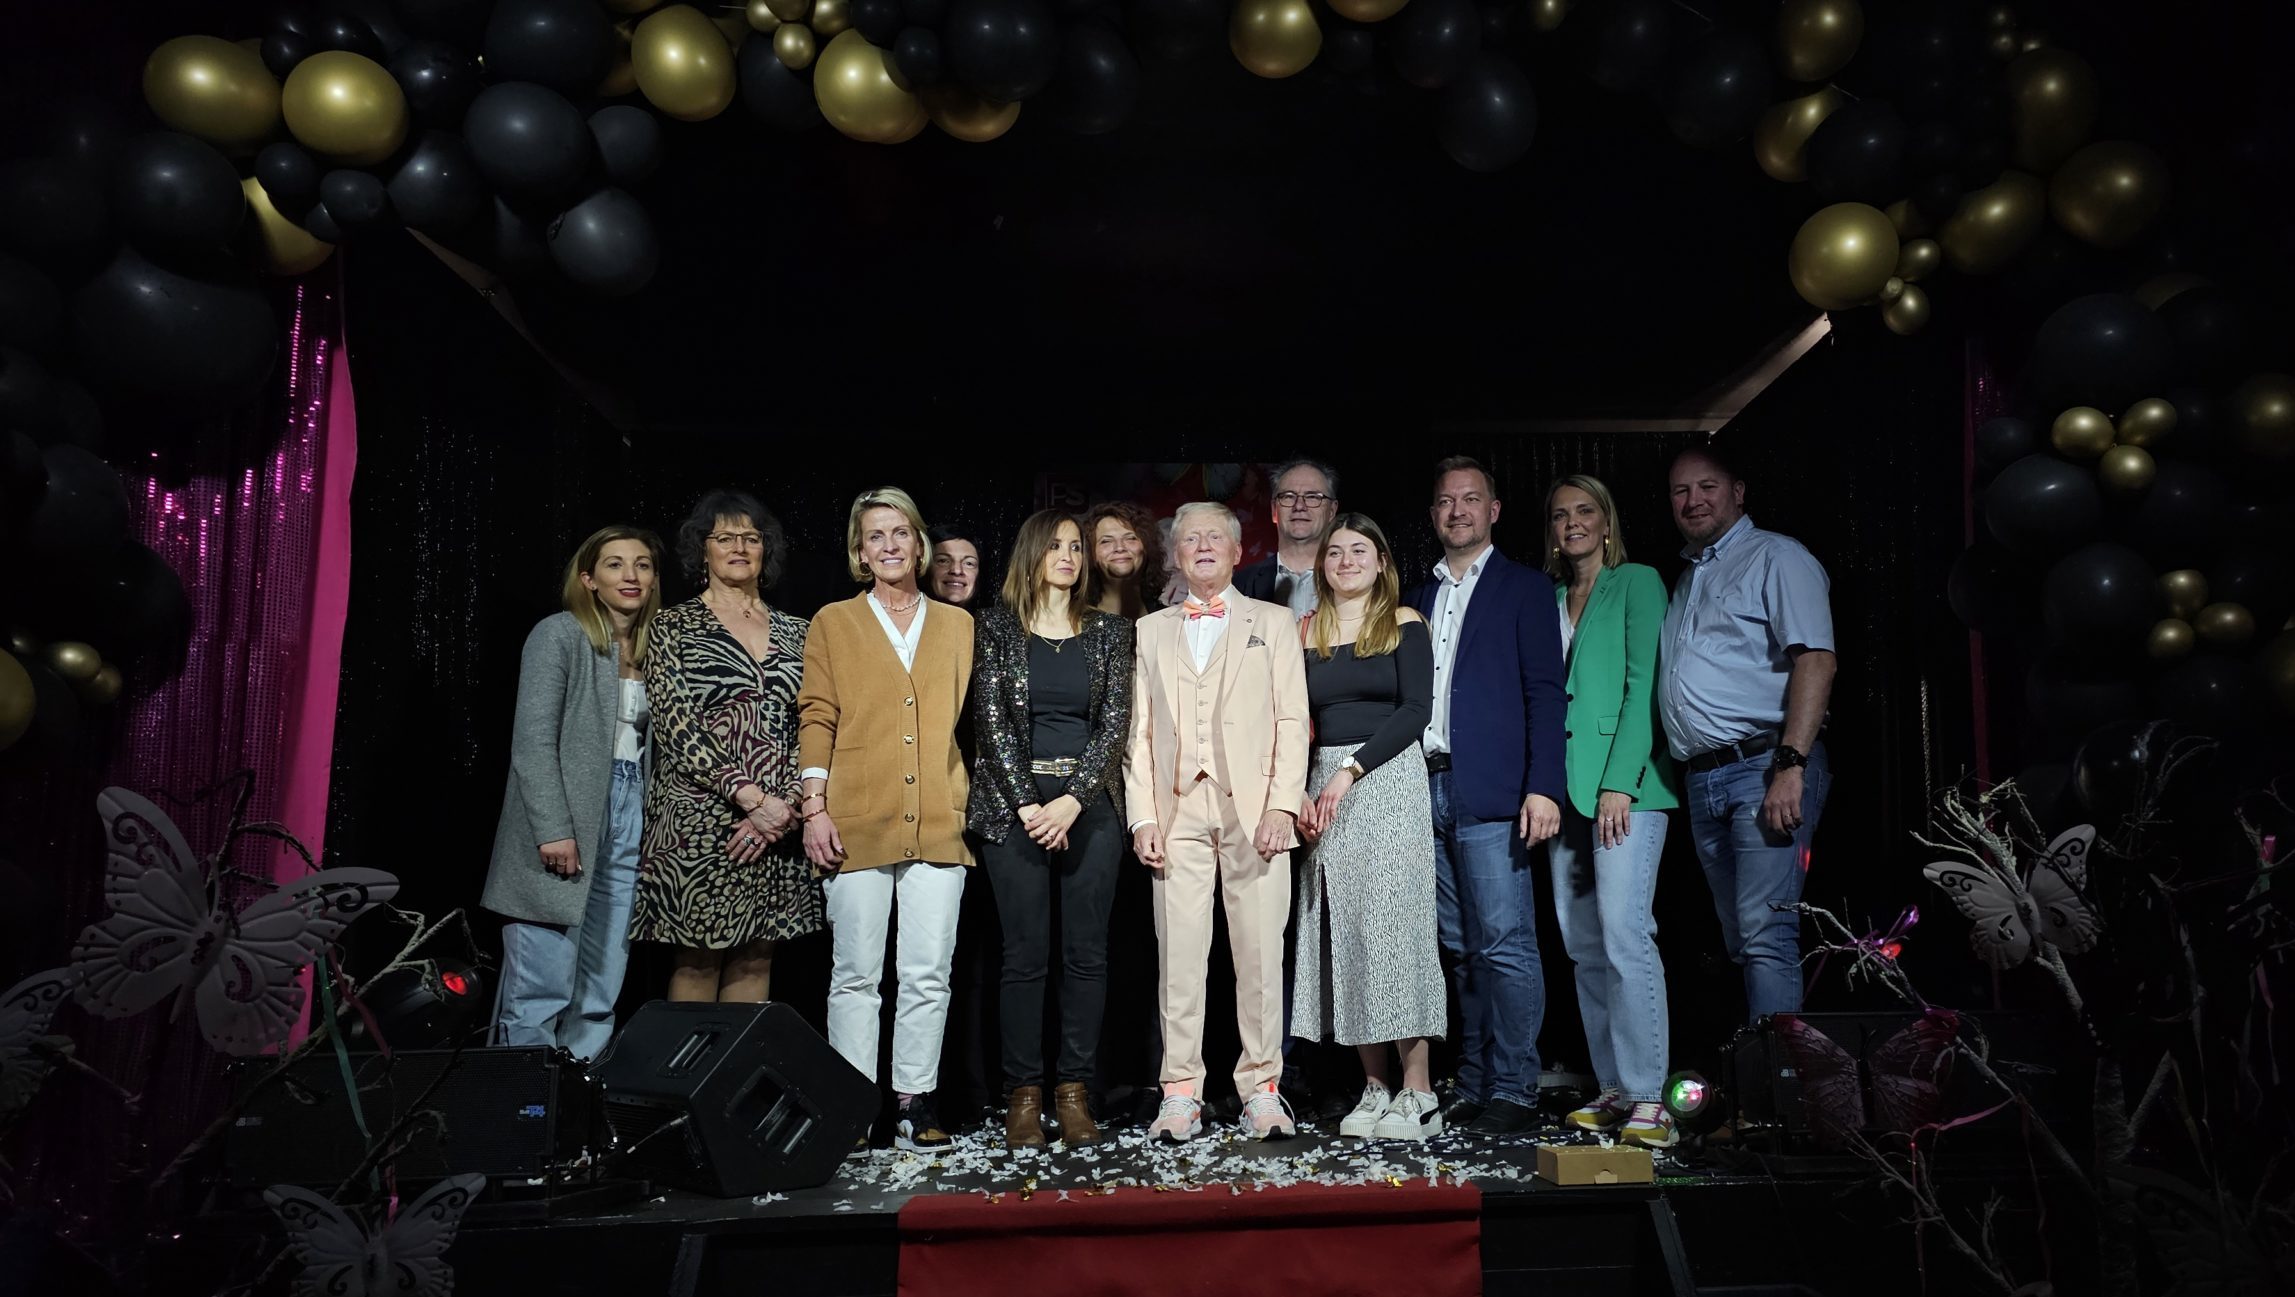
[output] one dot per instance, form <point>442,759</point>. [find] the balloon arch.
<point>1936,142</point>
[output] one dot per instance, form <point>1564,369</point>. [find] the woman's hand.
<point>771,818</point>
<point>1326,803</point>
<point>1613,819</point>
<point>748,842</point>
<point>823,846</point>
<point>562,859</point>
<point>1048,827</point>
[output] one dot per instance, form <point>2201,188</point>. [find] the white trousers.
<point>861,905</point>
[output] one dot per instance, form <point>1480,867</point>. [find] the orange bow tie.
<point>1216,608</point>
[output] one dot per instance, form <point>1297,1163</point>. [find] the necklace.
<point>904,607</point>
<point>1057,644</point>
<point>747,611</point>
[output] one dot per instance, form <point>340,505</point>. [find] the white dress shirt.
<point>903,646</point>
<point>1296,589</point>
<point>1203,633</point>
<point>1450,600</point>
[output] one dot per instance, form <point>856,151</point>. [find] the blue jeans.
<point>1753,871</point>
<point>559,984</point>
<point>1486,915</point>
<point>1603,896</point>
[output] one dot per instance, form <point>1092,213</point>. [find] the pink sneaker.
<point>1266,1115</point>
<point>1178,1121</point>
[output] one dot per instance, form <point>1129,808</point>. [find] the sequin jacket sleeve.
<point>1001,782</point>
<point>1109,638</point>
<point>686,748</point>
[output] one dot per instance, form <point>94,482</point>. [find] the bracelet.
<point>809,816</point>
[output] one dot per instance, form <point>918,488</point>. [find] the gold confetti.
<point>1394,1181</point>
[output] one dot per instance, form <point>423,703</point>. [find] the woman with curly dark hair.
<point>1126,549</point>
<point>722,872</point>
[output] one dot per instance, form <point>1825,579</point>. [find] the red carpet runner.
<point>1310,1239</point>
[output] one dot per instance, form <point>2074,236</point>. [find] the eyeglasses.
<point>738,539</point>
<point>1312,499</point>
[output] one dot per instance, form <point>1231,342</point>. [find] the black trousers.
<point>1026,879</point>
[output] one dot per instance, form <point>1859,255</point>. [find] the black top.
<point>1059,698</point>
<point>1380,702</point>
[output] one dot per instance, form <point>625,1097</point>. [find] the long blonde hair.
<point>590,613</point>
<point>1382,628</point>
<point>1024,583</point>
<point>1613,547</point>
<point>900,502</point>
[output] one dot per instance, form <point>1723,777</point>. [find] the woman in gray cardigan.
<point>565,867</point>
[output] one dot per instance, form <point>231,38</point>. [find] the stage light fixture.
<point>425,1005</point>
<point>1694,1102</point>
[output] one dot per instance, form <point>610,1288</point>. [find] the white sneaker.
<point>1357,1124</point>
<point>1266,1115</point>
<point>1650,1126</point>
<point>1412,1115</point>
<point>1179,1120</point>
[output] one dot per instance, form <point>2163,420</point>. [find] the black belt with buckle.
<point>1732,753</point>
<point>1437,762</point>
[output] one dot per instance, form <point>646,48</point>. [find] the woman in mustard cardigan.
<point>884,798</point>
<point>1620,783</point>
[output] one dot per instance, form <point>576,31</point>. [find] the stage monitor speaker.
<point>510,1113</point>
<point>1765,1087</point>
<point>731,1099</point>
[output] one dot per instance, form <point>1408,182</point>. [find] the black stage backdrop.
<point>479,470</point>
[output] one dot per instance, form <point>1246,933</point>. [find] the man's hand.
<point>1274,835</point>
<point>1781,806</point>
<point>1147,844</point>
<point>1540,819</point>
<point>561,858</point>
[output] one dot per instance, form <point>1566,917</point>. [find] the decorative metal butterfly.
<point>1904,1076</point>
<point>2013,914</point>
<point>172,933</point>
<point>27,1051</point>
<point>341,1257</point>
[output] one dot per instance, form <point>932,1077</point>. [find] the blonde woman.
<point>1620,785</point>
<point>565,865</point>
<point>884,798</point>
<point>1369,971</point>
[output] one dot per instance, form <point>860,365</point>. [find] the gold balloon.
<point>831,17</point>
<point>2052,104</point>
<point>345,107</point>
<point>287,248</point>
<point>1917,257</point>
<point>77,663</point>
<point>862,94</point>
<point>682,64</point>
<point>733,25</point>
<point>2186,591</point>
<point>2263,415</point>
<point>1546,15</point>
<point>1843,255</point>
<point>2159,290</point>
<point>790,11</point>
<point>105,689</point>
<point>2170,638</point>
<point>1994,223</point>
<point>1274,38</point>
<point>2125,470</point>
<point>2225,625</point>
<point>1892,290</point>
<point>762,18</point>
<point>2278,673</point>
<point>1907,218</point>
<point>2081,432</point>
<point>17,701</point>
<point>1373,11</point>
<point>2000,17</point>
<point>793,45</point>
<point>1781,137</point>
<point>2146,421</point>
<point>2107,193</point>
<point>209,87</point>
<point>2003,45</point>
<point>1907,313</point>
<point>915,126</point>
<point>23,645</point>
<point>967,116</point>
<point>1816,38</point>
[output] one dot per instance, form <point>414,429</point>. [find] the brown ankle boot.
<point>1073,1109</point>
<point>1024,1118</point>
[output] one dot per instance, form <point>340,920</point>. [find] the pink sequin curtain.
<point>252,512</point>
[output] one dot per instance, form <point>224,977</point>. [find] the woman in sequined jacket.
<point>1051,700</point>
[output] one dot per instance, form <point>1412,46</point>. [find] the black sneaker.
<point>1461,1113</point>
<point>918,1129</point>
<point>1503,1117</point>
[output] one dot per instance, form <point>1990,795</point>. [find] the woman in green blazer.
<point>1620,784</point>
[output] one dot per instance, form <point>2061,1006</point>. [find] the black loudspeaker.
<point>731,1099</point>
<point>1766,1088</point>
<point>511,1113</point>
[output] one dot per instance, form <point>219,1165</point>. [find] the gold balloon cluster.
<point>2052,98</point>
<point>211,88</point>
<point>862,92</point>
<point>2193,621</point>
<point>2109,192</point>
<point>1817,38</point>
<point>1781,137</point>
<point>1991,225</point>
<point>1279,38</point>
<point>681,63</point>
<point>1844,256</point>
<point>2119,448</point>
<point>345,107</point>
<point>79,665</point>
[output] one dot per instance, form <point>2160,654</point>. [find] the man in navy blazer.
<point>1494,763</point>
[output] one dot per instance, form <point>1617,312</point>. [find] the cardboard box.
<point>1593,1164</point>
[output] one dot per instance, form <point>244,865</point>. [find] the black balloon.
<point>2101,598</point>
<point>23,477</point>
<point>925,13</point>
<point>1989,588</point>
<point>917,55</point>
<point>1912,56</point>
<point>349,33</point>
<point>2211,694</point>
<point>1722,89</point>
<point>283,49</point>
<point>23,388</point>
<point>67,416</point>
<point>515,244</point>
<point>2104,350</point>
<point>1098,85</point>
<point>2208,330</point>
<point>566,45</point>
<point>1932,146</point>
<point>1937,196</point>
<point>2071,697</point>
<point>175,193</point>
<point>2002,441</point>
<point>460,22</point>
<point>1348,48</point>
<point>1172,31</point>
<point>1632,41</point>
<point>1488,114</point>
<point>203,338</point>
<point>1434,41</point>
<point>606,244</point>
<point>320,225</point>
<point>83,515</point>
<point>777,96</point>
<point>437,188</point>
<point>2178,521</point>
<point>2117,769</point>
<point>379,19</point>
<point>1005,50</point>
<point>84,132</point>
<point>2260,577</point>
<point>140,608</point>
<point>30,304</point>
<point>879,21</point>
<point>529,141</point>
<point>355,199</point>
<point>1857,155</point>
<point>289,175</point>
<point>629,142</point>
<point>439,81</point>
<point>2041,505</point>
<point>52,214</point>
<point>2195,421</point>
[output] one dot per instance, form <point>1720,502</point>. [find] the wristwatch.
<point>1788,758</point>
<point>1353,768</point>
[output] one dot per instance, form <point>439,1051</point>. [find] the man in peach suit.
<point>1217,767</point>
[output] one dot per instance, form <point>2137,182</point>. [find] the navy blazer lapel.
<point>1496,576</point>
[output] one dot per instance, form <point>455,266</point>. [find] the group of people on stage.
<point>1304,741</point>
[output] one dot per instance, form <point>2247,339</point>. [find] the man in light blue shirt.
<point>1744,672</point>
